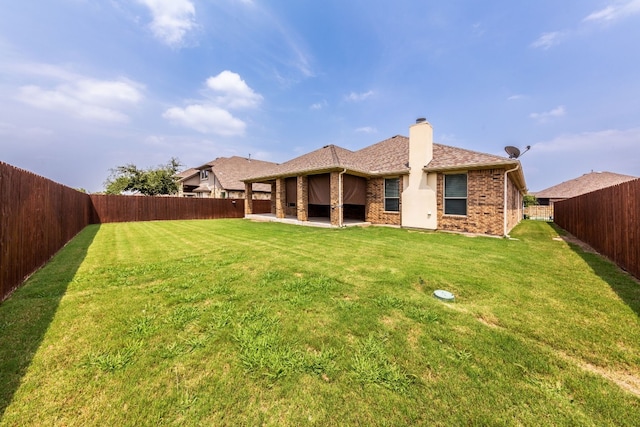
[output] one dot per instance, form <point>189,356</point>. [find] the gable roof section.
<point>585,184</point>
<point>230,171</point>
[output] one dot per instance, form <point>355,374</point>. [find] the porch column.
<point>302,199</point>
<point>336,207</point>
<point>248,198</point>
<point>281,198</point>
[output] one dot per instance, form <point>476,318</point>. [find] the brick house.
<point>409,182</point>
<point>221,179</point>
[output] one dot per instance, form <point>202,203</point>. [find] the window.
<point>204,174</point>
<point>392,194</point>
<point>455,194</point>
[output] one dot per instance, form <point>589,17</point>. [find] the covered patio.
<point>324,222</point>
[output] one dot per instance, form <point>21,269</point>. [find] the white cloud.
<point>232,91</point>
<point>357,97</point>
<point>546,116</point>
<point>367,129</point>
<point>172,19</point>
<point>206,118</point>
<point>225,91</point>
<point>547,40</point>
<point>516,97</point>
<point>86,98</point>
<point>616,11</point>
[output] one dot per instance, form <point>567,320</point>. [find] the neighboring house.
<point>221,179</point>
<point>575,187</point>
<point>408,182</point>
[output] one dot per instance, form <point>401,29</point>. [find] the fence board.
<point>608,220</point>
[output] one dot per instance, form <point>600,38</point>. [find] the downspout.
<point>340,199</point>
<point>506,181</point>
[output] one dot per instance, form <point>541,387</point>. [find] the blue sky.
<point>89,85</point>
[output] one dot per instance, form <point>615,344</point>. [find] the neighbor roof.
<point>585,184</point>
<point>231,170</point>
<point>387,157</point>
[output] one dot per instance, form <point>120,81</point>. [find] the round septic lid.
<point>443,295</point>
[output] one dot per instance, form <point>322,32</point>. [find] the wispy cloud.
<point>547,40</point>
<point>516,97</point>
<point>615,11</point>
<point>79,96</point>
<point>224,92</point>
<point>367,129</point>
<point>357,97</point>
<point>546,116</point>
<point>623,141</point>
<point>172,20</point>
<point>319,105</point>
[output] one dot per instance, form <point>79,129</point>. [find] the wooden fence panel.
<point>608,220</point>
<point>37,218</point>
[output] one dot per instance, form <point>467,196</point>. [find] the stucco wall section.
<point>485,204</point>
<point>374,211</point>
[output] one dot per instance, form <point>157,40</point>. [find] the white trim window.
<point>392,194</point>
<point>455,194</point>
<point>204,174</point>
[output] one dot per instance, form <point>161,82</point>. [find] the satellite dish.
<point>514,152</point>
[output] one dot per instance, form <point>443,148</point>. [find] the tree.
<point>530,200</point>
<point>150,182</point>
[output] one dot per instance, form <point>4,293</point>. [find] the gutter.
<point>506,181</point>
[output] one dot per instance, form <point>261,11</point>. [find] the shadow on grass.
<point>26,315</point>
<point>623,284</point>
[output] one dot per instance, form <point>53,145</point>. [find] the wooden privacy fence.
<point>39,216</point>
<point>608,220</point>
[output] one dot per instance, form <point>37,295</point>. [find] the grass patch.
<point>229,322</point>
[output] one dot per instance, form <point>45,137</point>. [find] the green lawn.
<point>229,322</point>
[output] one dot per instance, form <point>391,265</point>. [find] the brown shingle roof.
<point>446,158</point>
<point>390,156</point>
<point>230,171</point>
<point>585,184</point>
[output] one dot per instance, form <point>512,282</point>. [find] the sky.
<point>86,86</point>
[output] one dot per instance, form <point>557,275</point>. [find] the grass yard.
<point>229,322</point>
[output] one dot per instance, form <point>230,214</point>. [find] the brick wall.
<point>485,204</point>
<point>336,209</point>
<point>303,198</point>
<point>375,213</point>
<point>514,205</point>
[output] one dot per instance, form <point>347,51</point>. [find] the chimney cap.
<point>421,120</point>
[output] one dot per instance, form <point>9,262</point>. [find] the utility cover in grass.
<point>443,295</point>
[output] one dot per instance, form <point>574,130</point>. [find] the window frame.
<point>204,174</point>
<point>445,197</point>
<point>385,197</point>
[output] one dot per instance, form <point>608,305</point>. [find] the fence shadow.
<point>27,314</point>
<point>625,285</point>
